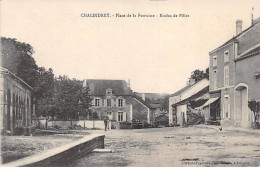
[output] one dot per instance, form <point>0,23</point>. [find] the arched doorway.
<point>241,105</point>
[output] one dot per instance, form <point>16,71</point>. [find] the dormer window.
<point>109,92</point>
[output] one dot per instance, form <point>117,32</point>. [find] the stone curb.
<point>62,153</point>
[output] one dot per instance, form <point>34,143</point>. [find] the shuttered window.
<point>226,76</point>
<point>215,79</point>
<point>97,102</point>
<point>120,102</point>
<point>226,107</point>
<point>121,116</point>
<point>226,56</point>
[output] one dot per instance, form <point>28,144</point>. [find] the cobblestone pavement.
<point>175,146</point>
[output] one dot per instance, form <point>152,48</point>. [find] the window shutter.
<point>112,102</point>
<point>93,102</point>
<point>117,116</point>
<point>123,102</point>
<point>105,102</point>
<point>124,116</point>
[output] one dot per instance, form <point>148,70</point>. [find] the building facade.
<point>114,99</point>
<point>156,100</point>
<point>247,85</point>
<point>223,75</point>
<point>178,102</point>
<point>15,104</point>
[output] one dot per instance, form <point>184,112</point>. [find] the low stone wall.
<point>61,155</point>
<point>65,124</point>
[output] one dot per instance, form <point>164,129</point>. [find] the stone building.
<point>155,100</point>
<point>179,102</point>
<point>116,100</point>
<point>228,73</point>
<point>247,85</point>
<point>15,104</point>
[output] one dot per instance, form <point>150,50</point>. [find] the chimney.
<point>238,26</point>
<point>191,82</point>
<point>143,96</point>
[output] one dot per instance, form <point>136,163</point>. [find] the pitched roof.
<point>146,103</point>
<point>200,93</point>
<point>253,51</point>
<point>99,86</point>
<point>238,35</point>
<point>184,89</point>
<point>181,90</point>
<point>153,96</point>
<point>6,71</point>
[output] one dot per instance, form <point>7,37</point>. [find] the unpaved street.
<point>175,146</point>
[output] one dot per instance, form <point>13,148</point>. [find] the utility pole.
<point>252,16</point>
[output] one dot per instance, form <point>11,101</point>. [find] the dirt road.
<point>192,146</point>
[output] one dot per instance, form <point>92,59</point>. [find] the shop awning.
<point>211,100</point>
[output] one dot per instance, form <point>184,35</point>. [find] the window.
<point>120,116</point>
<point>226,107</point>
<point>108,102</point>
<point>215,62</point>
<point>215,79</point>
<point>109,113</point>
<point>97,102</point>
<point>226,56</point>
<point>109,92</point>
<point>120,102</point>
<point>226,76</point>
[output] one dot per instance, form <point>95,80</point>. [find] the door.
<point>244,108</point>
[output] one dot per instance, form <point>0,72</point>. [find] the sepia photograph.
<point>130,83</point>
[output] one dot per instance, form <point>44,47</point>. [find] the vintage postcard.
<point>123,83</point>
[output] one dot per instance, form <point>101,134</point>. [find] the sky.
<point>157,54</point>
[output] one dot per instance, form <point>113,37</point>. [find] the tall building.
<point>232,78</point>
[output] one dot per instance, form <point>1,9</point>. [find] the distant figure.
<point>106,120</point>
<point>220,129</point>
